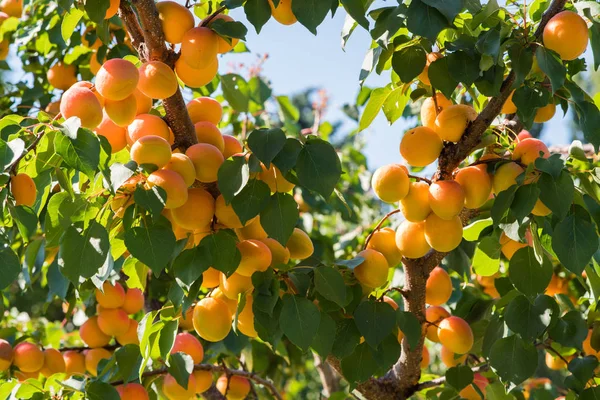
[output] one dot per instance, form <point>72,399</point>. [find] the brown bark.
<point>329,378</point>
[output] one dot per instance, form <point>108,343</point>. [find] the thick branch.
<point>329,378</point>
<point>132,24</point>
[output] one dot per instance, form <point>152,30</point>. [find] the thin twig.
<point>213,15</point>
<point>552,350</point>
<point>32,146</point>
<point>435,103</point>
<point>420,178</point>
<point>442,380</point>
<point>393,289</point>
<point>368,239</point>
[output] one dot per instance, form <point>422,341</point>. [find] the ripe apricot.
<point>113,7</point>
<point>207,132</point>
<point>115,134</point>
<point>204,381</point>
<point>428,111</point>
<point>151,150</point>
<point>92,87</point>
<point>61,76</point>
<point>121,112</point>
<point>509,247</point>
<point>280,255</point>
<point>134,301</point>
<point>424,75</point>
<point>456,335</point>
<point>111,296</point>
<point>4,48</point>
<point>54,363</point>
<point>225,214</point>
<point>529,150</point>
<point>246,318</point>
<point>6,355</point>
<point>157,80</point>
<point>283,12</point>
<point>74,362</point>
<point>232,146</point>
<point>509,107</point>
<point>275,179</point>
<point>182,164</point>
<point>186,322</point>
<point>173,391</point>
<point>93,357</point>
<point>545,113</point>
<point>113,321</point>
<point>13,8</point>
<point>567,34</point>
<point>53,108</point>
<point>384,241</point>
<point>205,109</point>
<point>190,345</point>
<point>252,230</point>
<point>587,346</point>
<point>143,102</point>
<point>224,45</point>
<point>425,358</point>
<point>451,123</point>
<point>175,19</point>
<point>443,235</point>
<point>390,183</point>
<point>23,189</point>
<point>81,102</point>
<point>438,288</point>
<point>196,77</point>
<point>197,212</point>
<point>505,176</point>
<point>391,302</point>
<point>207,160</point>
<point>256,256</point>
<point>410,239</point>
<point>146,125</point>
<point>130,336</point>
<point>434,315</point>
<point>415,206</point>
<point>420,146</point>
<point>524,135</point>
<point>117,79</point>
<point>469,393</point>
<point>173,184</point>
<point>211,278</point>
<point>540,209</point>
<point>91,334</point>
<point>212,319</point>
<point>449,358</point>
<point>132,391</point>
<point>95,63</point>
<point>199,47</point>
<point>476,184</point>
<point>373,271</point>
<point>300,245</point>
<point>446,198</point>
<point>234,285</point>
<point>232,304</point>
<point>554,362</point>
<point>236,387</point>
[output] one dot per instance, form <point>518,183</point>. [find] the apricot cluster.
<point>8,8</point>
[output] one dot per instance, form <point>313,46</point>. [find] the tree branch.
<point>329,378</point>
<point>442,380</point>
<point>368,239</point>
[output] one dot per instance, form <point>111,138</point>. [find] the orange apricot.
<point>438,288</point>
<point>130,336</point>
<point>415,206</point>
<point>420,146</point>
<point>115,134</point>
<point>224,45</point>
<point>211,278</point>
<point>113,7</point>
<point>557,285</point>
<point>91,334</point>
<point>554,362</point>
<point>186,321</point>
<point>93,357</point>
<point>280,255</point>
<point>236,387</point>
<point>207,160</point>
<point>212,319</point>
<point>567,34</point>
<point>509,247</point>
<point>190,345</point>
<point>390,183</point>
<point>509,107</point>
<point>182,164</point>
<point>545,113</point>
<point>300,245</point>
<point>132,391</point>
<point>252,230</point>
<point>540,209</point>
<point>151,150</point>
<point>175,19</point>
<point>196,77</point>
<point>275,179</point>
<point>283,12</point>
<point>425,358</point>
<point>384,241</point>
<point>443,235</point>
<point>232,304</point>
<point>13,8</point>
<point>449,358</point>
<point>451,123</point>
<point>23,189</point>
<point>456,335</point>
<point>121,112</point>
<point>256,256</point>
<point>232,146</point>
<point>199,47</point>
<point>62,76</point>
<point>113,321</point>
<point>54,363</point>
<point>174,391</point>
<point>410,239</point>
<point>143,102</point>
<point>234,285</point>
<point>197,212</point>
<point>207,132</point>
<point>391,302</point>
<point>173,184</point>
<point>74,362</point>
<point>134,301</point>
<point>117,79</point>
<point>505,176</point>
<point>205,109</point>
<point>111,296</point>
<point>81,102</point>
<point>92,87</point>
<point>524,135</point>
<point>434,315</point>
<point>246,318</point>
<point>428,111</point>
<point>6,355</point>
<point>529,150</point>
<point>476,184</point>
<point>469,393</point>
<point>204,380</point>
<point>147,125</point>
<point>373,271</point>
<point>446,198</point>
<point>225,214</point>
<point>157,80</point>
<point>587,346</point>
<point>424,75</point>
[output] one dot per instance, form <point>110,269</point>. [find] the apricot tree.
<point>172,232</point>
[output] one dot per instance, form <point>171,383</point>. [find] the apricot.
<point>132,391</point>
<point>157,80</point>
<point>91,334</point>
<point>113,321</point>
<point>182,164</point>
<point>115,134</point>
<point>143,102</point>
<point>476,184</point>
<point>204,381</point>
<point>420,146</point>
<point>438,288</point>
<point>384,241</point>
<point>175,19</point>
<point>54,363</point>
<point>470,393</point>
<point>92,87</point>
<point>190,345</point>
<point>130,336</point>
<point>456,335</point>
<point>524,135</point>
<point>23,189</point>
<point>509,247</point>
<point>173,391</point>
<point>283,12</point>
<point>391,302</point>
<point>236,387</point>
<point>252,230</point>
<point>587,346</point>
<point>410,239</point>
<point>415,206</point>
<point>196,77</point>
<point>207,132</point>
<point>205,109</point>
<point>443,235</point>
<point>211,278</point>
<point>6,355</point>
<point>451,123</point>
<point>256,256</point>
<point>567,34</point>
<point>207,160</point>
<point>446,198</point>
<point>53,108</point>
<point>540,209</point>
<point>554,362</point>
<point>232,304</point>
<point>245,322</point>
<point>425,358</point>
<point>300,245</point>
<point>93,357</point>
<point>434,315</point>
<point>61,76</point>
<point>186,321</point>
<point>529,150</point>
<point>197,212</point>
<point>117,79</point>
<point>224,45</point>
<point>424,75</point>
<point>212,319</point>
<point>151,150</point>
<point>390,183</point>
<point>373,271</point>
<point>505,176</point>
<point>111,296</point>
<point>449,358</point>
<point>280,255</point>
<point>428,111</point>
<point>4,49</point>
<point>173,184</point>
<point>545,113</point>
<point>134,301</point>
<point>509,107</point>
<point>74,362</point>
<point>232,146</point>
<point>112,9</point>
<point>234,285</point>
<point>13,8</point>
<point>121,112</point>
<point>81,102</point>
<point>95,64</point>
<point>275,179</point>
<point>146,125</point>
<point>557,285</point>
<point>199,47</point>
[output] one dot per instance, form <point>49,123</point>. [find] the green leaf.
<point>595,43</point>
<point>319,167</point>
<point>462,67</point>
<point>181,366</point>
<point>11,267</point>
<point>552,66</point>
<point>10,152</point>
<point>439,75</point>
<point>266,291</point>
<point>191,263</point>
<point>360,365</point>
<point>557,194</point>
<point>152,200</point>
<point>394,105</point>
<point>229,29</point>
<point>129,360</point>
<point>528,100</point>
<point>527,274</point>
<point>330,284</point>
<point>375,320</point>
<point>167,337</point>
<point>224,254</point>
<point>69,22</point>
<point>311,13</point>
<point>152,244</point>
<point>82,254</point>
<point>409,62</point>
<point>357,10</point>
<point>575,241</point>
<point>525,198</point>
<point>513,360</point>
<point>266,144</point>
<point>323,341</point>
<point>592,393</point>
<point>486,260</point>
<point>119,173</point>
<point>374,104</point>
<point>459,377</point>
<point>570,330</point>
<point>258,13</point>
<point>80,149</point>
<point>347,337</point>
<point>299,320</point>
<point>232,176</point>
<point>489,43</point>
<point>387,353</point>
<point>288,109</point>
<point>279,217</point>
<point>530,319</point>
<point>26,220</point>
<point>253,198</point>
<point>98,390</point>
<point>57,283</point>
<point>582,370</point>
<point>288,156</point>
<point>410,326</point>
<point>96,10</point>
<point>449,8</point>
<point>521,60</point>
<point>425,21</point>
<point>236,90</point>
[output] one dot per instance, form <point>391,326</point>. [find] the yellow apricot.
<point>509,107</point>
<point>130,336</point>
<point>74,363</point>
<point>151,150</point>
<point>212,320</point>
<point>410,239</point>
<point>232,304</point>
<point>54,363</point>
<point>197,212</point>
<point>207,160</point>
<point>6,355</point>
<point>424,75</point>
<point>373,271</point>
<point>434,315</point>
<point>384,241</point>
<point>443,235</point>
<point>509,247</point>
<point>134,301</point>
<point>186,321</point>
<point>428,111</point>
<point>115,134</point>
<point>13,8</point>
<point>390,183</point>
<point>246,318</point>
<point>196,77</point>
<point>111,296</point>
<point>554,362</point>
<point>540,209</point>
<point>420,146</point>
<point>451,123</point>
<point>232,146</point>
<point>93,357</point>
<point>182,164</point>
<point>190,345</point>
<point>143,102</point>
<point>132,391</point>
<point>300,245</point>
<point>121,112</point>
<point>226,215</point>
<point>175,19</point>
<point>438,288</point>
<point>446,198</point>
<point>256,256</point>
<point>469,393</point>
<point>252,230</point>
<point>449,358</point>
<point>204,381</point>
<point>95,64</point>
<point>113,321</point>
<point>283,12</point>
<point>62,76</point>
<point>234,285</point>
<point>476,184</point>
<point>199,47</point>
<point>456,335</point>
<point>415,206</point>
<point>280,255</point>
<point>23,189</point>
<point>205,109</point>
<point>91,334</point>
<point>173,184</point>
<point>528,150</point>
<point>207,132</point>
<point>567,34</point>
<point>211,278</point>
<point>275,179</point>
<point>505,176</point>
<point>236,387</point>
<point>81,102</point>
<point>4,48</point>
<point>157,80</point>
<point>117,79</point>
<point>524,135</point>
<point>545,113</point>
<point>173,391</point>
<point>425,358</point>
<point>224,45</point>
<point>147,125</point>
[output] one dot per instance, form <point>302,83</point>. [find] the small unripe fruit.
<point>476,183</point>
<point>92,335</point>
<point>555,363</point>
<point>428,112</point>
<point>410,239</point>
<point>147,125</point>
<point>205,109</point>
<point>451,123</point>
<point>115,134</point>
<point>74,363</point>
<point>441,234</point>
<point>132,391</point>
<point>196,77</point>
<point>157,80</point>
<point>130,336</point>
<point>117,79</point>
<point>449,358</point>
<point>390,183</point>
<point>182,164</point>
<point>434,315</point>
<point>415,206</point>
<point>373,271</point>
<point>54,363</point>
<point>456,335</point>
<point>23,189</point>
<point>173,391</point>
<point>438,288</point>
<point>246,318</point>
<point>283,12</point>
<point>212,320</point>
<point>6,355</point>
<point>505,176</point>
<point>544,114</point>
<point>111,296</point>
<point>190,345</point>
<point>529,150</point>
<point>62,76</point>
<point>207,160</point>
<point>134,301</point>
<point>420,146</point>
<point>151,150</point>
<point>300,245</point>
<point>567,34</point>
<point>83,103</point>
<point>446,198</point>
<point>232,146</point>
<point>197,212</point>
<point>113,321</point>
<point>176,20</point>
<point>93,357</point>
<point>173,184</point>
<point>236,387</point>
<point>384,241</point>
<point>199,47</point>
